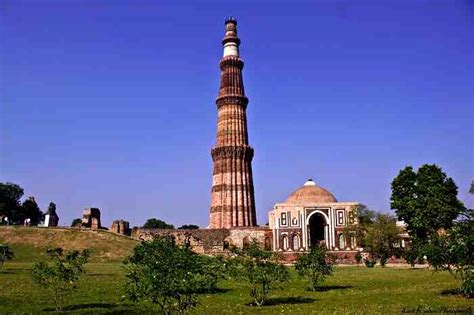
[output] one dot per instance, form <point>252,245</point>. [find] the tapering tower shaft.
<point>232,195</point>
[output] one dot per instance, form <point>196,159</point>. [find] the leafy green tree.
<point>261,268</point>
<point>188,227</point>
<point>454,251</point>
<point>364,217</point>
<point>31,210</point>
<point>60,277</point>
<point>162,274</point>
<point>154,223</point>
<point>315,266</point>
<point>76,222</point>
<point>425,200</point>
<point>382,239</point>
<point>414,253</point>
<point>10,195</point>
<point>6,253</point>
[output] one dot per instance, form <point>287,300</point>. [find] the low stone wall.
<point>209,241</point>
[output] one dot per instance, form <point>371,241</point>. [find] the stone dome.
<point>310,193</point>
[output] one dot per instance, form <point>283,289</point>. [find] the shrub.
<point>315,266</point>
<point>370,263</point>
<point>453,252</point>
<point>358,258</point>
<point>60,277</point>
<point>383,261</point>
<point>6,253</point>
<point>414,253</point>
<point>261,268</point>
<point>162,274</point>
<point>76,222</point>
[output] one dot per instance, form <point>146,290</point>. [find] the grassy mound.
<point>30,243</point>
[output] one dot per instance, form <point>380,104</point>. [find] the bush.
<point>162,274</point>
<point>261,268</point>
<point>358,258</point>
<point>370,263</point>
<point>383,261</point>
<point>155,223</point>
<point>453,252</point>
<point>60,277</point>
<point>6,253</point>
<point>76,222</point>
<point>315,266</point>
<point>414,253</point>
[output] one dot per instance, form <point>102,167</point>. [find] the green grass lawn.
<point>352,290</point>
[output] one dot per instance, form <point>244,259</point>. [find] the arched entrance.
<point>317,229</point>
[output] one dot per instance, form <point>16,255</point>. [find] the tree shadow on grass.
<point>287,300</point>
<point>77,307</point>
<point>214,291</point>
<point>332,287</point>
<point>14,271</point>
<point>98,274</point>
<point>452,292</point>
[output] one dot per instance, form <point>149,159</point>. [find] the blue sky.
<point>111,103</point>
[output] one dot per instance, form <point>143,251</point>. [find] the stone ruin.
<point>51,218</point>
<point>91,218</point>
<point>121,227</point>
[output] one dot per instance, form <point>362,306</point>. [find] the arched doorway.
<point>316,227</point>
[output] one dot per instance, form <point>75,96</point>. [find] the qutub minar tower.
<point>232,195</point>
<point>310,216</point>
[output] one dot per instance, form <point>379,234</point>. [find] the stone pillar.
<point>232,195</point>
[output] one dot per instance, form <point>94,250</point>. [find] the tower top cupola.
<point>230,41</point>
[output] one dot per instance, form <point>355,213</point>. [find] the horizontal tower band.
<point>244,152</point>
<point>231,61</point>
<point>232,99</point>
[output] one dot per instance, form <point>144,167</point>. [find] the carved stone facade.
<point>232,194</point>
<point>311,216</point>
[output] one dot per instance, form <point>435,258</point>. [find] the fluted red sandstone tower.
<point>232,196</point>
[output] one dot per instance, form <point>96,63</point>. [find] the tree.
<point>454,251</point>
<point>164,274</point>
<point>10,195</point>
<point>76,222</point>
<point>154,223</point>
<point>425,200</point>
<point>188,227</point>
<point>60,277</point>
<point>31,210</point>
<point>6,253</point>
<point>261,268</point>
<point>364,217</point>
<point>382,239</point>
<point>315,266</point>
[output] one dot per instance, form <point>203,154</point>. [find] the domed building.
<point>311,215</point>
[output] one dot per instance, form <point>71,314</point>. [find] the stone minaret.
<point>232,196</point>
